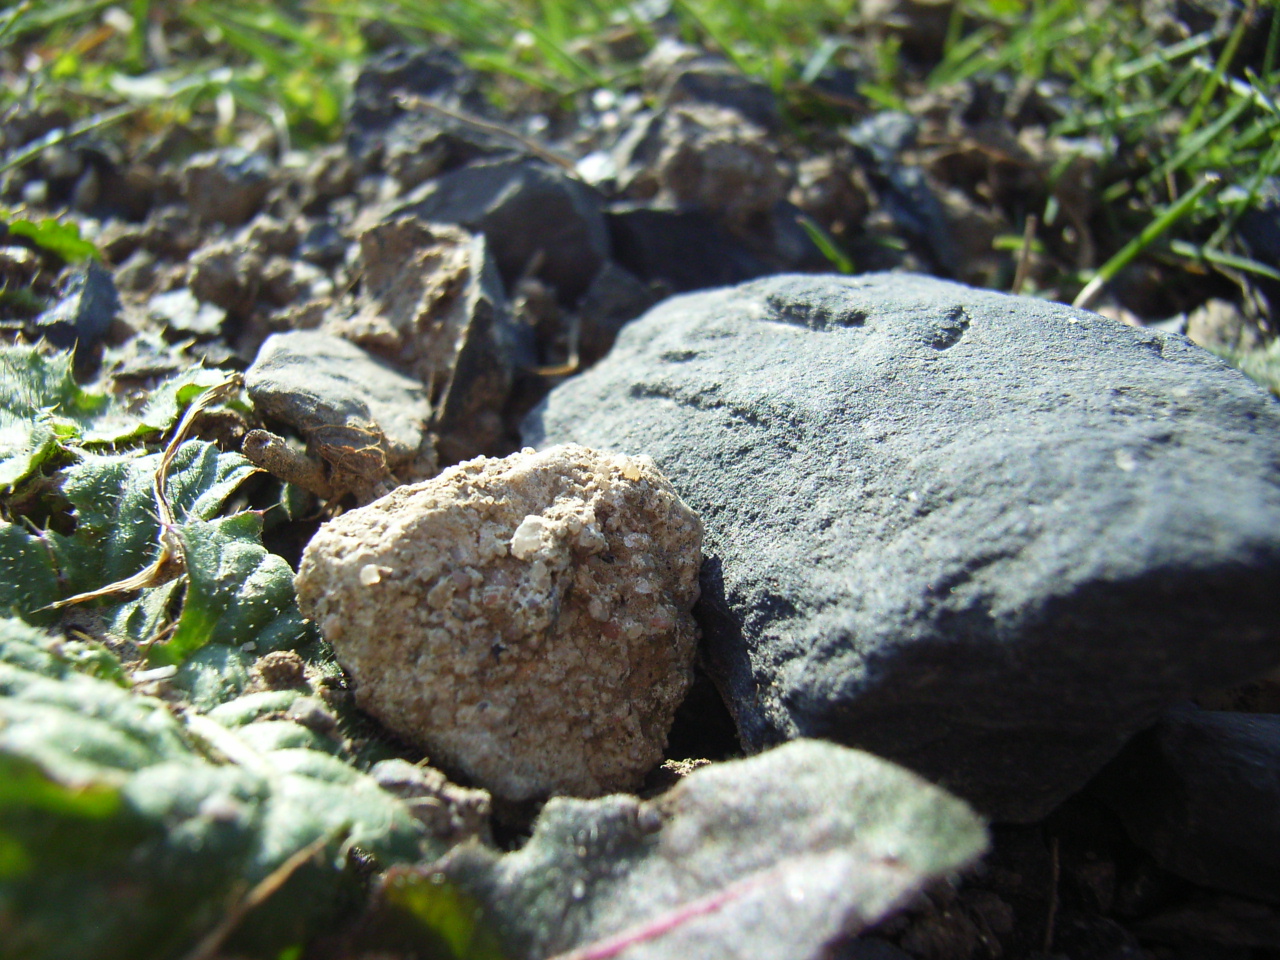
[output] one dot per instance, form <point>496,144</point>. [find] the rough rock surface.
<point>987,537</point>
<point>227,186</point>
<point>367,422</point>
<point>1201,792</point>
<point>433,306</point>
<point>525,620</point>
<point>683,251</point>
<point>701,157</point>
<point>537,220</point>
<point>89,305</point>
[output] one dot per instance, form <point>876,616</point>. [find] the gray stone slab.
<point>988,537</point>
<point>317,382</point>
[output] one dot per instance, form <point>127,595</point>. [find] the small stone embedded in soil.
<point>89,305</point>
<point>448,811</point>
<point>433,306</point>
<point>526,621</point>
<point>227,186</point>
<point>365,421</point>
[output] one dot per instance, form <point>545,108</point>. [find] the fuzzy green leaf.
<point>237,592</point>
<point>30,581</point>
<point>59,237</point>
<point>161,411</point>
<point>789,851</point>
<point>126,832</point>
<point>214,675</point>
<point>116,524</point>
<point>43,409</point>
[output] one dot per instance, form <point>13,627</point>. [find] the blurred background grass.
<point>1184,131</point>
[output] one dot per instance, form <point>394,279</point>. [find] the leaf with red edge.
<point>783,855</point>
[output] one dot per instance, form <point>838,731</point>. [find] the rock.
<point>832,192</point>
<point>424,144</point>
<point>185,316</point>
<point>322,245</point>
<point>118,241</point>
<point>904,192</point>
<point>227,186</point>
<point>286,281</point>
<point>700,157</point>
<point>270,236</point>
<point>433,305</point>
<point>718,83</point>
<point>169,233</point>
<point>427,72</point>
<point>365,420</point>
<point>534,218</point>
<point>138,273</point>
<point>987,537</point>
<point>88,306</point>
<point>18,266</point>
<point>281,670</point>
<point>525,621</point>
<point>615,297</point>
<point>683,251</point>
<point>1201,793</point>
<point>1220,325</point>
<point>449,812</point>
<point>228,275</point>
<point>330,174</point>
<point>722,85</point>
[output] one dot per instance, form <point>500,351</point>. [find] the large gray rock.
<point>988,537</point>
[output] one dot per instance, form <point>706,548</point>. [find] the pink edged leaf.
<point>782,855</point>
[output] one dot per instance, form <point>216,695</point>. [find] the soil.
<point>266,240</point>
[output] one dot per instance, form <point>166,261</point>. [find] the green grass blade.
<point>1208,254</point>
<point>826,244</point>
<point>1219,70</point>
<point>1152,232</point>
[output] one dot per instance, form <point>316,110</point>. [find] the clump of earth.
<point>525,621</point>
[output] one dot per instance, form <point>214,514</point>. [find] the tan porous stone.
<point>526,621</point>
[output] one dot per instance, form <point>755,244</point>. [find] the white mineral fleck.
<point>554,666</point>
<point>528,538</point>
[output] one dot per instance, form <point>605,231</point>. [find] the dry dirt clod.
<point>526,621</point>
<point>450,812</point>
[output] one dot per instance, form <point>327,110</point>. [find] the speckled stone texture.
<point>526,621</point>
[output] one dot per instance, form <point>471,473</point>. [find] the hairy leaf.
<point>788,852</point>
<point>126,832</point>
<point>43,410</point>
<point>29,581</point>
<point>116,523</point>
<point>237,592</point>
<point>59,237</point>
<point>41,407</point>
